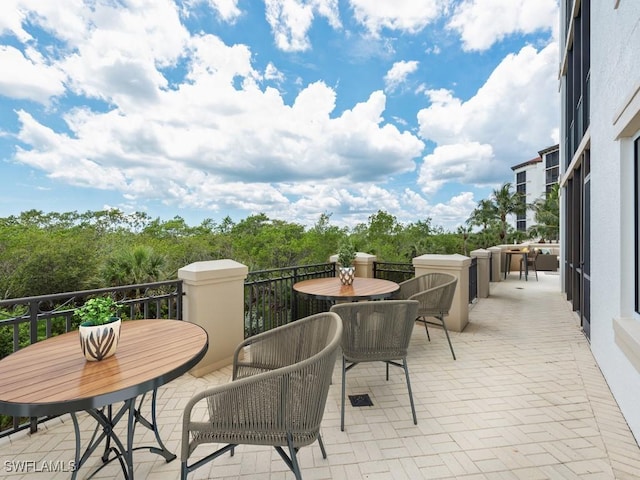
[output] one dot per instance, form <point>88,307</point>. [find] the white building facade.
<point>533,179</point>
<point>600,178</point>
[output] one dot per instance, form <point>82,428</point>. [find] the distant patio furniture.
<point>529,261</point>
<point>376,331</point>
<point>277,396</point>
<point>508,254</point>
<point>547,261</point>
<point>434,292</point>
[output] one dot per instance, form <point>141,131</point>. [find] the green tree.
<point>547,215</point>
<point>140,264</point>
<point>507,202</point>
<point>379,236</point>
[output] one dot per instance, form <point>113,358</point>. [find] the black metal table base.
<point>114,449</point>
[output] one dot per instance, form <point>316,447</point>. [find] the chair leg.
<point>520,277</point>
<point>425,327</point>
<point>294,458</point>
<point>344,373</point>
<point>406,374</point>
<point>446,332</point>
<point>324,452</point>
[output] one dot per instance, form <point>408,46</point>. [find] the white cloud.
<point>515,113</point>
<point>272,73</point>
<point>455,163</point>
<point>53,16</point>
<point>28,77</point>
<point>227,9</point>
<point>481,23</point>
<point>186,120</point>
<point>398,73</point>
<point>290,20</point>
<point>215,140</point>
<point>403,15</point>
<point>454,213</point>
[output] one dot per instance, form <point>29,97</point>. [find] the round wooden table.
<point>331,289</point>
<point>52,377</point>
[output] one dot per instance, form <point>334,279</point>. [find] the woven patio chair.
<point>435,293</point>
<point>532,257</point>
<point>277,396</point>
<point>376,331</point>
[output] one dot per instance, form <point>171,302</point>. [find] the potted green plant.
<point>99,327</point>
<point>346,257</point>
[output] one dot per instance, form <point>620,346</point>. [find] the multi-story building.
<point>533,179</point>
<point>600,180</point>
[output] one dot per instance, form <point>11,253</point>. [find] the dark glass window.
<point>552,159</point>
<point>552,175</point>
<point>521,177</point>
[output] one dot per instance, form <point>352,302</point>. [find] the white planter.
<point>346,275</point>
<point>99,341</point>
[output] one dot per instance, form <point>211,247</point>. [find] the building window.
<point>521,188</point>
<point>552,169</point>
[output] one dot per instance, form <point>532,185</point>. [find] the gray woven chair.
<point>435,293</point>
<point>277,396</point>
<point>376,331</point>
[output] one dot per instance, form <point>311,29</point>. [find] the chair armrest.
<point>408,288</point>
<point>258,354</point>
<point>436,301</point>
<point>252,402</point>
<point>429,301</point>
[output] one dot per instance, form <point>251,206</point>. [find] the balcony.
<point>525,399</point>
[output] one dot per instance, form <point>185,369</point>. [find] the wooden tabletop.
<point>331,288</point>
<point>52,377</point>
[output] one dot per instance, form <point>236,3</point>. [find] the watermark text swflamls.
<point>39,466</point>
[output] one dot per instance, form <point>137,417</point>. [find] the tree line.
<point>43,253</point>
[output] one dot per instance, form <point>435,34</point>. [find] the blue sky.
<point>293,108</point>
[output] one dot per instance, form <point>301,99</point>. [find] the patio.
<point>524,400</point>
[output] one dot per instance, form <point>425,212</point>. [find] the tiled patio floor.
<point>524,400</point>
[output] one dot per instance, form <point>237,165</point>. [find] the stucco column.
<point>496,263</point>
<point>363,263</point>
<point>457,265</point>
<point>484,258</point>
<point>214,299</point>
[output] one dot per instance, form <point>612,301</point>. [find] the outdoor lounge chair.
<point>435,293</point>
<point>277,396</point>
<point>376,331</point>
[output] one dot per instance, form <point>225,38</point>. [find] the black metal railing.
<point>395,272</point>
<point>24,321</point>
<point>473,279</point>
<point>269,300</point>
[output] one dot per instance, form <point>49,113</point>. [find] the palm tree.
<point>507,203</point>
<point>547,215</point>
<point>483,215</point>
<point>133,266</point>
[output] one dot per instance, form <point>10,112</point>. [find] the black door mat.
<point>361,400</point>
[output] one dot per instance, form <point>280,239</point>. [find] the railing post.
<point>457,265</point>
<point>363,263</point>
<point>496,258</point>
<point>484,257</point>
<point>214,299</point>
